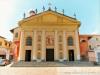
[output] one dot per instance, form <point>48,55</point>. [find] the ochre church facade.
<point>47,36</point>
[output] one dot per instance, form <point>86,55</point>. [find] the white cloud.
<point>7,9</point>
<point>96,31</point>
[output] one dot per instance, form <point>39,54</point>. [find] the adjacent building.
<point>84,47</point>
<point>5,49</point>
<point>94,48</point>
<point>90,47</point>
<point>16,42</point>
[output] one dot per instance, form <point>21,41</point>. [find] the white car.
<point>4,62</point>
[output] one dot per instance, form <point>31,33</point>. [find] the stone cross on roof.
<point>63,11</point>
<point>55,8</point>
<point>49,4</point>
<point>43,8</point>
<point>24,15</point>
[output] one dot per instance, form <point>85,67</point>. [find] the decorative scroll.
<point>39,46</point>
<point>60,47</point>
<point>39,36</point>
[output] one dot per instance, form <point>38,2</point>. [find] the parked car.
<point>4,62</point>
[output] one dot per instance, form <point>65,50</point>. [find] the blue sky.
<point>87,11</point>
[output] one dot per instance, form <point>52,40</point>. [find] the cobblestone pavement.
<point>49,70</point>
<point>8,70</point>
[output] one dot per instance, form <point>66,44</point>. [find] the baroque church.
<point>47,36</point>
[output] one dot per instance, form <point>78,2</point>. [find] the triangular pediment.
<point>49,17</point>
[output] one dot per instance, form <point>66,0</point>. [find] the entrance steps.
<point>53,64</point>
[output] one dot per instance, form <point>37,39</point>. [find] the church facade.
<point>47,36</point>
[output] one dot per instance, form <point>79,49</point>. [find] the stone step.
<point>52,64</point>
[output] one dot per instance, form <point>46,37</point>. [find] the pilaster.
<point>56,46</point>
<point>34,44</point>
<point>21,49</point>
<point>77,44</point>
<point>65,45</point>
<point>43,45</point>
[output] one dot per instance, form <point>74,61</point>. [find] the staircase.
<point>53,64</point>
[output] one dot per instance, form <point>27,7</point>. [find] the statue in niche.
<point>49,40</point>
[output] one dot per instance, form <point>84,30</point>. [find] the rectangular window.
<point>16,35</point>
<point>70,41</point>
<point>5,43</point>
<point>0,43</point>
<point>91,48</point>
<point>29,41</point>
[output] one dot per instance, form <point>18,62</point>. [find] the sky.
<point>87,12</point>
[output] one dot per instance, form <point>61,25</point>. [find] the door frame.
<point>28,55</point>
<point>71,57</point>
<point>47,49</point>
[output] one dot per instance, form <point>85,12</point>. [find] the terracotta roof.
<point>12,30</point>
<point>89,35</point>
<point>2,37</point>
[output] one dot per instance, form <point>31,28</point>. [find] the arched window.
<point>83,41</point>
<point>29,41</point>
<point>70,41</point>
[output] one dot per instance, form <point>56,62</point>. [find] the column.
<point>64,45</point>
<point>56,46</point>
<point>21,49</point>
<point>34,45</point>
<point>43,45</point>
<point>77,44</point>
<point>7,54</point>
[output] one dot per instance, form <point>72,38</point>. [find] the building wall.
<point>4,43</point>
<point>55,46</point>
<point>34,47</point>
<point>16,42</point>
